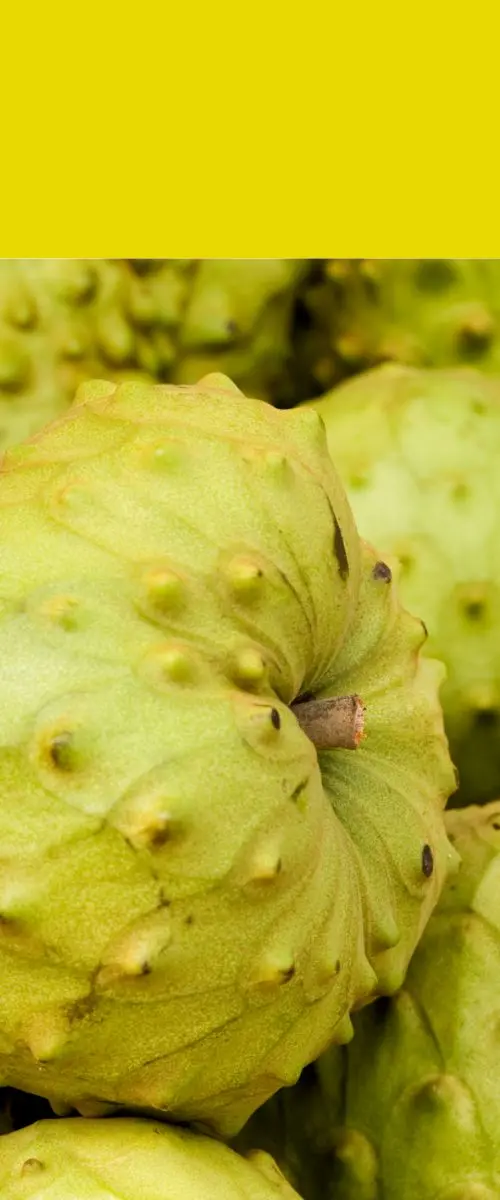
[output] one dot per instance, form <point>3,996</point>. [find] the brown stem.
<point>333,723</point>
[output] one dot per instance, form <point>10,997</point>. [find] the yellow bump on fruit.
<point>72,347</point>
<point>15,367</point>
<point>116,339</point>
<point>59,748</point>
<point>170,663</point>
<point>264,864</point>
<point>20,310</point>
<point>47,1036</point>
<point>94,389</point>
<point>249,667</point>
<point>61,610</point>
<point>77,283</point>
<point>366,979</point>
<point>73,495</point>
<point>220,382</point>
<point>31,1166</point>
<point>274,969</point>
<point>164,589</point>
<point>344,1030</point>
<point>245,578</point>
<point>142,305</point>
<point>359,1158</point>
<point>147,820</point>
<point>386,932</point>
<point>134,952</point>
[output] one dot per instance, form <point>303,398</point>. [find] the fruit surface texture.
<point>194,892</point>
<point>418,452</point>
<point>421,1089</point>
<point>130,1160</point>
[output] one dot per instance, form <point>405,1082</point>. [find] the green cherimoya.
<point>422,312</point>
<point>418,453</point>
<point>195,886</point>
<point>421,1093</point>
<point>63,321</point>
<point>130,1159</point>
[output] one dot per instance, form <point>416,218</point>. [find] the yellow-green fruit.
<point>192,897</point>
<point>130,1159</point>
<point>418,452</point>
<point>421,1091</point>
<point>411,1109</point>
<point>63,321</point>
<point>423,312</point>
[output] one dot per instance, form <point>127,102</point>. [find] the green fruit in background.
<point>194,893</point>
<point>355,314</point>
<point>63,321</point>
<point>421,1090</point>
<point>418,452</point>
<point>130,1159</point>
<point>295,1127</point>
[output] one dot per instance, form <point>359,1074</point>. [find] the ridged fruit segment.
<point>130,1159</point>
<point>418,453</point>
<point>192,899</point>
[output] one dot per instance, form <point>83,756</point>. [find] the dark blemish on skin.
<point>231,327</point>
<point>189,920</point>
<point>382,571</point>
<point>427,861</point>
<point>496,824</point>
<point>339,549</point>
<point>60,751</point>
<point>425,629</point>
<point>474,610</point>
<point>297,792</point>
<point>337,966</point>
<point>288,975</point>
<point>275,718</point>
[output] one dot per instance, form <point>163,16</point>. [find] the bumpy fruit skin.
<point>421,1093</point>
<point>63,321</point>
<point>418,453</point>
<point>192,899</point>
<point>422,312</point>
<point>130,1159</point>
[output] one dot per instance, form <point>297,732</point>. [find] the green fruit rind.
<point>127,1159</point>
<point>421,312</point>
<point>193,900</point>
<point>63,321</point>
<point>421,1088</point>
<point>418,454</point>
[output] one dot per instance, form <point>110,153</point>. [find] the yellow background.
<point>242,130</point>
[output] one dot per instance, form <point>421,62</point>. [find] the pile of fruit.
<point>249,730</point>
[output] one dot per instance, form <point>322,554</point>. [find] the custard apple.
<point>421,1092</point>
<point>130,1159</point>
<point>355,314</point>
<point>196,887</point>
<point>63,321</point>
<point>418,453</point>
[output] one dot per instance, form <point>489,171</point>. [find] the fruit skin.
<point>421,312</point>
<point>192,899</point>
<point>63,321</point>
<point>418,453</point>
<point>410,1109</point>
<point>421,1092</point>
<point>127,1159</point>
